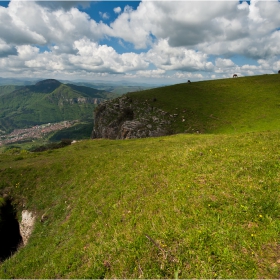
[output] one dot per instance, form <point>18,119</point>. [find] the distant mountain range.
<point>47,101</point>
<point>118,87</point>
<point>18,81</point>
<point>96,83</point>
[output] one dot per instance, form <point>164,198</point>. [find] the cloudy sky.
<point>144,41</point>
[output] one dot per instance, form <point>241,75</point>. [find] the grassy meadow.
<point>244,104</point>
<point>181,206</point>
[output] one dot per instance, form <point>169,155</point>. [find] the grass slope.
<point>188,206</point>
<point>220,106</point>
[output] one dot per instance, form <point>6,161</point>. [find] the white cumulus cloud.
<point>117,10</point>
<point>104,15</point>
<point>182,39</point>
<point>165,57</point>
<point>102,58</point>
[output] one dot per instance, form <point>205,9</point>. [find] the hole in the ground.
<point>10,237</point>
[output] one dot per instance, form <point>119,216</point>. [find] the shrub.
<point>127,114</point>
<point>53,146</point>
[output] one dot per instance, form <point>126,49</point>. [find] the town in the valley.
<point>35,132</point>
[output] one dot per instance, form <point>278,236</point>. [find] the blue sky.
<point>139,41</point>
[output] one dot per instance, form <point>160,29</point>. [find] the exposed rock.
<point>124,118</point>
<point>82,100</point>
<point>26,225</point>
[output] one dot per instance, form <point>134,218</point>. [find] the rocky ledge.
<point>124,118</point>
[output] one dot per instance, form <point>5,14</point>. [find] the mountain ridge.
<point>47,101</point>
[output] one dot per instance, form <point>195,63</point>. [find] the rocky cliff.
<point>124,118</point>
<point>81,100</point>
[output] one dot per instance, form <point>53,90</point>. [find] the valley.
<point>48,101</point>
<point>31,113</point>
<point>35,132</point>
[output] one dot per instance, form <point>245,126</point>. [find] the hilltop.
<point>218,106</point>
<point>45,86</point>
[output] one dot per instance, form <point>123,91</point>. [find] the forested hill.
<point>47,101</point>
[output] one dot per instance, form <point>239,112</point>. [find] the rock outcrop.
<point>124,118</point>
<point>26,225</point>
<point>81,100</point>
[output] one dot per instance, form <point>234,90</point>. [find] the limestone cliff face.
<point>82,100</point>
<point>124,118</point>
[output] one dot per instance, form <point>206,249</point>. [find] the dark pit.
<point>10,238</point>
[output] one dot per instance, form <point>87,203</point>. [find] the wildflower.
<point>260,216</point>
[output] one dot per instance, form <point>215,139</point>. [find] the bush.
<point>65,142</point>
<point>53,146</point>
<point>127,114</point>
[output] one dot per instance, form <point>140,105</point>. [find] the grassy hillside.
<point>192,206</point>
<point>220,106</point>
<point>182,206</point>
<point>125,89</point>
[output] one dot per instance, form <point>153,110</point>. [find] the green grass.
<point>24,146</point>
<point>220,106</point>
<point>182,206</point>
<point>126,89</point>
<point>192,206</point>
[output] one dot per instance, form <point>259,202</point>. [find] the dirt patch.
<point>269,262</point>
